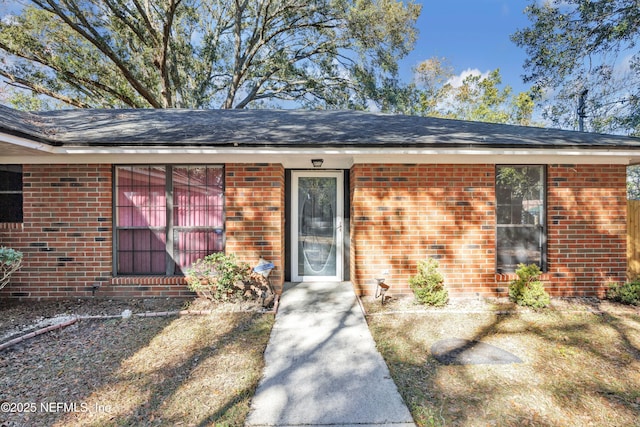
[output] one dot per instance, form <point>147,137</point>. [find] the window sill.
<point>149,280</point>
<point>11,226</point>
<point>508,277</point>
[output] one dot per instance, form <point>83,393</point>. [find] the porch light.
<point>317,163</point>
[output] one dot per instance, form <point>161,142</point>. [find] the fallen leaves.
<point>151,371</point>
<point>581,363</point>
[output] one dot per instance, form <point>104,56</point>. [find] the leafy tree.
<point>573,45</point>
<point>478,98</point>
<point>205,53</point>
<point>633,182</point>
<point>432,76</point>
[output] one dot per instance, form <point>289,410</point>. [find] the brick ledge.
<point>148,280</point>
<point>11,226</point>
<point>508,277</point>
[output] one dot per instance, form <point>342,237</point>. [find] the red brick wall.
<point>587,237</point>
<point>66,233</point>
<point>255,215</point>
<point>399,215</point>
<point>404,213</point>
<point>66,236</point>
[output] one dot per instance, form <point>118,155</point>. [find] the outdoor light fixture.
<point>317,163</point>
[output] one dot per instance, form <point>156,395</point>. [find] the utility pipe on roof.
<point>581,109</point>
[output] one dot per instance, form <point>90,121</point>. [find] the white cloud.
<point>9,19</point>
<point>505,11</point>
<point>623,67</point>
<point>456,81</point>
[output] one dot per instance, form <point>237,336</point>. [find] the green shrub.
<point>10,261</point>
<point>218,276</point>
<point>527,290</point>
<point>626,293</point>
<point>428,284</point>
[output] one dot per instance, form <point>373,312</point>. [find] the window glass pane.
<point>141,251</point>
<point>158,262</point>
<point>520,211</point>
<point>142,263</point>
<point>140,196</point>
<point>124,177</point>
<point>141,219</point>
<point>197,213</point>
<point>125,262</point>
<point>518,245</point>
<point>11,207</point>
<point>198,197</point>
<point>215,178</point>
<point>198,176</point>
<point>11,178</point>
<point>141,209</point>
<point>191,245</point>
<point>125,240</point>
<point>520,194</point>
<point>125,216</point>
<point>11,193</point>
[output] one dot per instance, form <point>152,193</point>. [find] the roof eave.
<point>26,141</point>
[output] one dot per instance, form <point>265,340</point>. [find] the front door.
<point>316,225</point>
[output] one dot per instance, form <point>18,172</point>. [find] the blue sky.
<point>471,34</point>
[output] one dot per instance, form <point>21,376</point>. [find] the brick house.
<point>118,202</point>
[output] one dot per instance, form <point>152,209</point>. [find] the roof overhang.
<point>300,157</point>
<point>11,145</point>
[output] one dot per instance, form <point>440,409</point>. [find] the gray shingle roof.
<point>274,128</point>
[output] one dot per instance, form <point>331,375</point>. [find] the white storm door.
<point>316,225</point>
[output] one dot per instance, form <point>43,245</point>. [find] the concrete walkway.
<point>322,367</point>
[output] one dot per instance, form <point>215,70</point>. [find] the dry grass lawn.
<point>581,363</point>
<point>191,370</point>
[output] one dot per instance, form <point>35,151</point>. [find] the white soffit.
<point>16,146</point>
<point>290,157</point>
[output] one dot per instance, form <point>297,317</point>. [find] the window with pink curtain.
<point>197,213</point>
<point>159,236</point>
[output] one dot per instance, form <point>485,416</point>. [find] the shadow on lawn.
<point>153,371</point>
<point>65,366</point>
<point>579,367</point>
<point>194,390</point>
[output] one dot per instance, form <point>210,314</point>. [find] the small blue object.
<point>263,267</point>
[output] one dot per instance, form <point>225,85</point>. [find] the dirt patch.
<point>458,351</point>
